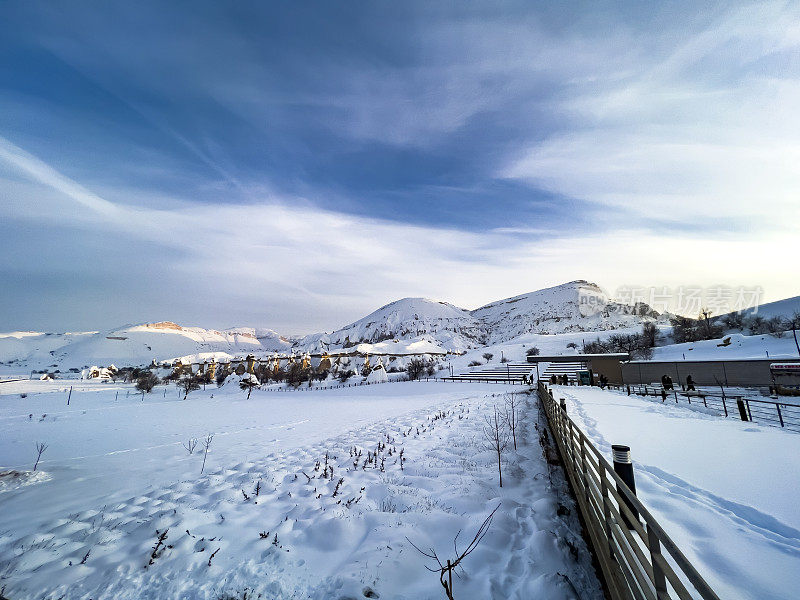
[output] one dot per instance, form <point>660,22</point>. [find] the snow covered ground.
<point>116,478</point>
<point>741,346</point>
<point>724,490</point>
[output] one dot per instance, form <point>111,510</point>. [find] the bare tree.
<point>488,356</point>
<point>206,445</point>
<point>445,571</point>
<point>497,438</point>
<point>40,448</point>
<point>794,324</point>
<point>190,445</point>
<point>188,384</point>
<point>512,408</point>
<point>416,368</point>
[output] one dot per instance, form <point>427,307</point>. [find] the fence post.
<point>780,416</point>
<point>724,406</point>
<point>606,509</point>
<point>563,403</point>
<point>623,466</point>
<point>742,409</point>
<point>584,468</point>
<point>659,579</point>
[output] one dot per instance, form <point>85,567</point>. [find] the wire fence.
<point>638,559</point>
<point>764,412</point>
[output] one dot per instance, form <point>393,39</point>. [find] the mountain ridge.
<point>401,326</point>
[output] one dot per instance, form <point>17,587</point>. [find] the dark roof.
<point>665,361</point>
<point>577,357</point>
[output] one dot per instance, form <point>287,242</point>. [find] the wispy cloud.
<point>707,130</point>
<point>280,253</point>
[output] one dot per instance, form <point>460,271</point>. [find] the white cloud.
<point>283,254</point>
<point>708,130</point>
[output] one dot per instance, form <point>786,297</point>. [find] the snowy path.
<point>334,540</point>
<point>725,491</point>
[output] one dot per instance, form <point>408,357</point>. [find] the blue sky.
<point>297,165</point>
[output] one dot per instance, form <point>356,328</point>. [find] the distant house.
<point>95,372</point>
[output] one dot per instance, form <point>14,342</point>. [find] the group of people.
<point>666,383</point>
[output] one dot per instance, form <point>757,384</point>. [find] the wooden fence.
<point>636,556</point>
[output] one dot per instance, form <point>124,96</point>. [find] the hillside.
<point>129,345</point>
<point>785,308</point>
<point>570,307</point>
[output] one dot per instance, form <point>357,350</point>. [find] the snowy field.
<point>724,490</point>
<point>118,508</point>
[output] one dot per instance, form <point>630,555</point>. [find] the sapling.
<point>512,409</point>
<point>190,445</point>
<point>445,571</point>
<point>40,448</point>
<point>207,445</point>
<point>158,547</point>
<point>497,438</point>
<point>188,384</point>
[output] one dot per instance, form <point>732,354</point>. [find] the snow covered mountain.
<point>128,345</point>
<point>412,319</point>
<point>405,326</point>
<point>569,307</point>
<point>269,339</point>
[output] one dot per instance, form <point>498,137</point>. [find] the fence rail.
<point>638,559</point>
<point>765,412</point>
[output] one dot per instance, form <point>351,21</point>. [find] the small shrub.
<point>147,381</point>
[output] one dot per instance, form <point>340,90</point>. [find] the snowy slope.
<point>780,308</point>
<point>36,348</point>
<point>129,345</point>
<point>269,339</point>
<point>417,319</point>
<point>574,306</point>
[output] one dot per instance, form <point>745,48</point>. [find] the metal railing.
<point>764,412</point>
<point>637,558</point>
